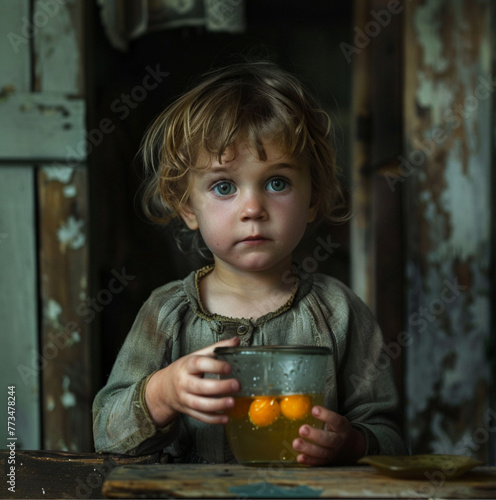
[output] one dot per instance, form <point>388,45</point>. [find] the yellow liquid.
<point>255,445</point>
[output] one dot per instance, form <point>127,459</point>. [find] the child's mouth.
<point>254,240</point>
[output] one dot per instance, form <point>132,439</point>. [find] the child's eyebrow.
<point>214,170</point>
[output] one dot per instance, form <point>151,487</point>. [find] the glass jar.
<point>279,387</point>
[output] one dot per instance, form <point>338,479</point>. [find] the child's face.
<point>251,213</point>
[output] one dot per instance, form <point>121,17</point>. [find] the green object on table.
<point>421,466</point>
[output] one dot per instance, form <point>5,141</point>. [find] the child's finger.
<point>199,364</point>
<point>212,387</point>
<point>207,404</point>
<point>209,410</point>
<point>308,460</point>
<point>334,421</point>
<point>208,418</point>
<point>323,438</point>
<point>314,450</point>
<point>209,350</point>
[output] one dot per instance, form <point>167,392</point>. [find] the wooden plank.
<point>58,46</point>
<point>18,297</point>
<point>236,481</point>
<point>361,232</point>
<point>47,474</point>
<point>64,227</point>
<point>67,390</point>
<point>14,47</point>
<point>19,362</point>
<point>447,173</point>
<point>42,125</point>
<point>385,217</point>
<point>377,263</point>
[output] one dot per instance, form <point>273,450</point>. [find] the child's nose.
<point>253,207</point>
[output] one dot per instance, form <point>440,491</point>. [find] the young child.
<point>245,159</point>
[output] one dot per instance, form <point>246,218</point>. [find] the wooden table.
<point>215,481</point>
<point>43,474</point>
<point>56,474</point>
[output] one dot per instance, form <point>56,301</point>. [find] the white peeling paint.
<point>50,403</point>
<point>70,191</point>
<point>53,310</point>
<point>427,23</point>
<point>456,387</point>
<point>73,339</point>
<point>58,135</point>
<point>441,441</point>
<point>436,96</point>
<point>70,233</point>
<point>425,196</point>
<point>431,306</point>
<point>466,200</point>
<point>67,399</point>
<point>61,174</point>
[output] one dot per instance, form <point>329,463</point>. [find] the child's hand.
<point>181,388</point>
<point>337,442</point>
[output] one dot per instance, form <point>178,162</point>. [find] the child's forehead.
<point>238,154</point>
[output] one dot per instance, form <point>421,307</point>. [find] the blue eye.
<point>224,188</point>
<point>277,185</point>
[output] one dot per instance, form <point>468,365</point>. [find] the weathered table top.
<point>56,474</point>
<point>45,474</point>
<point>216,481</point>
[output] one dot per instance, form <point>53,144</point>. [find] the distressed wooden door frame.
<point>43,139</point>
<point>437,249</point>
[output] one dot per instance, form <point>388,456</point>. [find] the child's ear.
<point>189,217</point>
<point>312,213</point>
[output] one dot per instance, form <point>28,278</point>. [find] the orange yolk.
<point>263,411</point>
<point>296,407</point>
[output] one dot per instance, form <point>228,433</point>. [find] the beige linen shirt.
<point>172,323</point>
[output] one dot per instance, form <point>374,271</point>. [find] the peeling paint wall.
<point>64,286</point>
<point>64,226</point>
<point>44,181</point>
<point>448,101</point>
<point>18,260</point>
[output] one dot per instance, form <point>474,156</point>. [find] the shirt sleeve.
<point>121,422</point>
<point>369,397</point>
